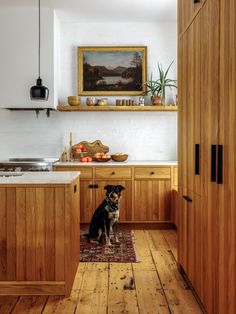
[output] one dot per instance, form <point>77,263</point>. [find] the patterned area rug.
<point>122,252</point>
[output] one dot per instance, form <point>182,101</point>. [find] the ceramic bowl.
<point>73,100</point>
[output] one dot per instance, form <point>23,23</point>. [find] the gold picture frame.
<point>112,70</point>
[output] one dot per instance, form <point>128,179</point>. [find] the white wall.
<point>160,39</point>
<point>19,55</point>
<point>143,135</point>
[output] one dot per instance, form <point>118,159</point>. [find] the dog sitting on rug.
<point>105,218</point>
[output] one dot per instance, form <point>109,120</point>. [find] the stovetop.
<point>28,164</point>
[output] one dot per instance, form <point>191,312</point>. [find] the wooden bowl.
<point>73,100</point>
<point>102,159</point>
<point>119,158</point>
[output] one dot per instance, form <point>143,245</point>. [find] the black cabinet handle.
<point>90,186</point>
<point>75,188</point>
<point>187,198</point>
<point>95,186</point>
<point>196,1</point>
<point>113,172</point>
<point>220,165</point>
<point>197,170</point>
<point>152,172</point>
<point>213,163</point>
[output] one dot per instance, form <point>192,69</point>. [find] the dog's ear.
<point>120,187</point>
<point>107,187</point>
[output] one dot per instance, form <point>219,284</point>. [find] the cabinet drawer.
<point>113,173</point>
<point>85,172</point>
<point>152,173</point>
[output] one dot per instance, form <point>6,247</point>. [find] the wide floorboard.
<point>152,286</point>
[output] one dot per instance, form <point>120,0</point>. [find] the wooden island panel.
<point>39,239</point>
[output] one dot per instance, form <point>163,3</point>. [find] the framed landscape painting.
<point>112,70</point>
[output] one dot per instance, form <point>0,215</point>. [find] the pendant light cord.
<point>39,38</point>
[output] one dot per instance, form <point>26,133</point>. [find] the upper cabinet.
<point>19,56</point>
<point>186,11</point>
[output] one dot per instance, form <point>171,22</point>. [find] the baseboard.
<point>185,276</point>
<point>32,288</point>
<point>139,225</point>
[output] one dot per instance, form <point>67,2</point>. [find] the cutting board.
<point>93,148</point>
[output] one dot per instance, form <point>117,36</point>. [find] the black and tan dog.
<point>105,217</point>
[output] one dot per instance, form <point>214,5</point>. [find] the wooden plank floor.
<point>152,286</point>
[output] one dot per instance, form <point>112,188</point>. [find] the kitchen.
<point>34,135</point>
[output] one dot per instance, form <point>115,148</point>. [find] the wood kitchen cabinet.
<point>152,194</point>
<point>147,194</point>
<point>207,116</point>
<point>187,9</point>
<point>39,236</point>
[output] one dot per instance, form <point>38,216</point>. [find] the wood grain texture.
<point>99,287</point>
<point>152,200</point>
<point>117,108</point>
<point>39,239</point>
<point>113,173</point>
<point>152,173</point>
<point>227,135</point>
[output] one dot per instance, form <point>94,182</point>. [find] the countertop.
<point>114,163</point>
<point>38,177</point>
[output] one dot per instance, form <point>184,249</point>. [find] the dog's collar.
<point>111,205</point>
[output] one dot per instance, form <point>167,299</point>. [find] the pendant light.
<point>39,92</point>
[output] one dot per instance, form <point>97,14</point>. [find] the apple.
<point>84,149</point>
<point>89,159</point>
<point>84,159</point>
<point>80,146</point>
<point>78,150</point>
<point>101,154</point>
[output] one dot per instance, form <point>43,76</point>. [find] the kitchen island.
<point>39,232</point>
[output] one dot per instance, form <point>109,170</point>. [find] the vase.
<point>157,100</point>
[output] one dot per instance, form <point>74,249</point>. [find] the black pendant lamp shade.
<point>39,92</point>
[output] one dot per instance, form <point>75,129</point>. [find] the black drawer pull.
<point>187,198</point>
<point>152,172</point>
<point>75,188</point>
<point>213,163</point>
<point>90,186</point>
<point>196,1</point>
<point>113,172</point>
<point>197,161</point>
<point>220,165</point>
<point>95,186</point>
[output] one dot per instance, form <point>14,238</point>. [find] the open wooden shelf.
<point>117,108</point>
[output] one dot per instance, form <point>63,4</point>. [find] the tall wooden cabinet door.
<point>182,116</point>
<point>209,137</point>
<point>86,200</point>
<point>195,239</point>
<point>183,229</point>
<point>125,201</point>
<point>193,88</point>
<point>186,11</point>
<point>152,200</point>
<point>227,138</point>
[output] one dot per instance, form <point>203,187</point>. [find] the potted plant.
<point>157,88</point>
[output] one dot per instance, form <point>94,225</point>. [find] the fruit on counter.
<point>102,155</point>
<point>86,159</point>
<point>119,154</point>
<point>80,146</point>
<point>84,149</point>
<point>78,150</point>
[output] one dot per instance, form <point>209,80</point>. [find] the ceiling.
<point>105,10</point>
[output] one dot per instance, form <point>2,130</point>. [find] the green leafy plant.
<point>158,87</point>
